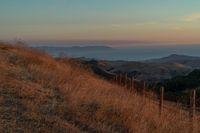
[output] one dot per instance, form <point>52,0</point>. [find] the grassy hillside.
<point>40,94</point>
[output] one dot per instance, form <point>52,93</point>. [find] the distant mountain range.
<point>75,48</point>
<point>74,51</point>
<point>154,70</point>
<point>184,60</point>
<point>104,52</point>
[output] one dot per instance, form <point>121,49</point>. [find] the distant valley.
<point>153,70</point>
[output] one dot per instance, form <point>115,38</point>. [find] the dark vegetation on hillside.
<point>182,83</point>
<point>178,88</point>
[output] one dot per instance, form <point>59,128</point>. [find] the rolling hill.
<point>41,94</point>
<point>190,61</point>
<point>153,71</point>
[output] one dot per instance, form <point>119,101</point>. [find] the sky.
<point>164,21</point>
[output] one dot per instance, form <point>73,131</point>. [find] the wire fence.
<point>188,102</point>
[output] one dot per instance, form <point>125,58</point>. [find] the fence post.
<point>125,80</point>
<point>132,83</point>
<point>120,79</point>
<point>193,104</point>
<point>128,84</point>
<point>116,78</point>
<point>144,88</point>
<point>193,110</point>
<point>162,89</point>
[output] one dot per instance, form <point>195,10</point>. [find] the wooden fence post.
<point>116,78</point>
<point>162,89</point>
<point>113,79</point>
<point>193,111</point>
<point>120,79</point>
<point>144,88</point>
<point>125,80</point>
<point>193,104</point>
<point>132,83</point>
<point>128,83</point>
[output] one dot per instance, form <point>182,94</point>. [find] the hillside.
<point>185,60</point>
<point>41,94</point>
<point>175,58</point>
<point>182,83</point>
<point>152,72</point>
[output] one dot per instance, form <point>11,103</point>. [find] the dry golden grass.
<point>40,94</point>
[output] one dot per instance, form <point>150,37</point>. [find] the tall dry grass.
<point>41,94</point>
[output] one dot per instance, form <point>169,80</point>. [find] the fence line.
<point>130,83</point>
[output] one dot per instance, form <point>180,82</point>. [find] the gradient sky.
<point>175,21</point>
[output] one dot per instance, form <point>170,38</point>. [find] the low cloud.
<point>192,18</point>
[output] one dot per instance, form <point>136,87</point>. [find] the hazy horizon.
<point>133,53</point>
<point>171,21</point>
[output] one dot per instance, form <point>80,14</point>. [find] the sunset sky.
<point>176,21</point>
